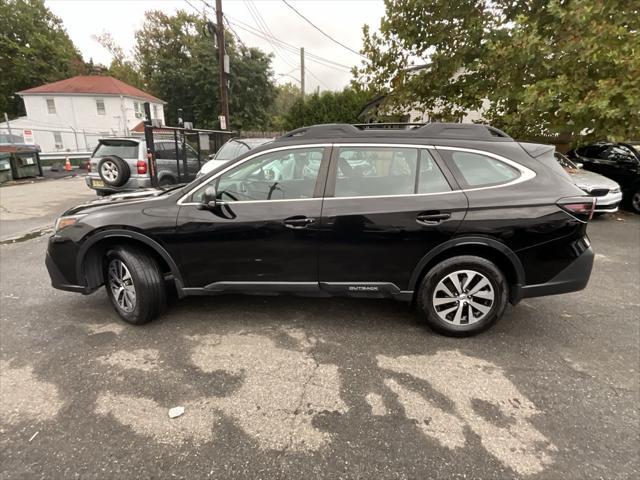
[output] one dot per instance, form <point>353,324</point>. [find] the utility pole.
<point>223,65</point>
<point>6,119</point>
<point>302,71</point>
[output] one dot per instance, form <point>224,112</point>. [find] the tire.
<point>113,171</point>
<point>464,268</point>
<point>635,200</point>
<point>166,181</point>
<point>143,274</point>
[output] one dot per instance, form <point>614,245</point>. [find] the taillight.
<point>142,167</point>
<point>580,207</point>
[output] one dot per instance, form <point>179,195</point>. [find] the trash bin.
<point>23,160</point>
<point>26,164</point>
<point>5,167</point>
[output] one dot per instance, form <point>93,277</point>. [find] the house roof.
<point>91,84</point>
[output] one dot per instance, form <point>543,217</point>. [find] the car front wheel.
<point>462,295</point>
<point>135,284</point>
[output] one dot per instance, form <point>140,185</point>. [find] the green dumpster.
<point>5,167</point>
<point>24,161</point>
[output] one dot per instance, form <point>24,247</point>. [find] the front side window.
<point>100,106</point>
<point>478,170</point>
<point>51,106</point>
<point>282,175</point>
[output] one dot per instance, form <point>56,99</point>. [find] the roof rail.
<point>469,131</point>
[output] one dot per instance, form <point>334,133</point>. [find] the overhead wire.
<point>322,31</point>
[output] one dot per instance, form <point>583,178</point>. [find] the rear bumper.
<point>572,279</point>
<point>59,281</point>
<point>134,183</point>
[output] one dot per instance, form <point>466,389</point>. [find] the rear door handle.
<point>298,222</point>
<point>432,218</point>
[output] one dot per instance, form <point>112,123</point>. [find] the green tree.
<point>34,49</point>
<point>121,67</point>
<point>326,107</point>
<point>543,66</point>
<point>179,64</point>
<point>286,96</point>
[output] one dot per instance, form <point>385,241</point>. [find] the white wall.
<point>80,112</point>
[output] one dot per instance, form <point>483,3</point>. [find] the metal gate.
<point>175,155</point>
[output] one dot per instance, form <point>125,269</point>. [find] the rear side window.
<point>478,170</point>
<point>380,171</point>
<point>121,149</point>
<point>373,171</point>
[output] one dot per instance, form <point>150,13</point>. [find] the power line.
<point>263,28</point>
<point>322,31</point>
<point>321,60</point>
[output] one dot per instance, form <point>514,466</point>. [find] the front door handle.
<point>298,222</point>
<point>432,218</point>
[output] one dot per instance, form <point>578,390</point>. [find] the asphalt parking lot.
<point>287,387</point>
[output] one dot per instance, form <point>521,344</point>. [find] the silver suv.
<point>120,164</point>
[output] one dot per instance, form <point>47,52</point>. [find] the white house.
<point>70,115</point>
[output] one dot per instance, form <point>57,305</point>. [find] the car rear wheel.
<point>135,284</point>
<point>113,171</point>
<point>635,200</point>
<point>462,295</point>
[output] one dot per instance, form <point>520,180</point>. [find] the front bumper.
<point>58,279</point>
<point>608,203</point>
<point>572,279</point>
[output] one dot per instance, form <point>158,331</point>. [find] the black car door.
<point>385,208</point>
<point>262,234</point>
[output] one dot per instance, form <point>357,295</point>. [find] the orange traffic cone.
<point>67,165</point>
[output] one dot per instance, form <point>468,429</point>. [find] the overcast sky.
<point>341,19</point>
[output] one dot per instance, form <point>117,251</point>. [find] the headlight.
<point>615,189</point>
<point>64,222</point>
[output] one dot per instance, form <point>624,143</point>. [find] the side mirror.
<point>209,199</point>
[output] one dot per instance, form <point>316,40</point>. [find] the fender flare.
<point>130,234</point>
<point>463,241</point>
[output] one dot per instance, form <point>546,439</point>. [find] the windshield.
<point>565,162</point>
<point>120,148</point>
<point>231,150</point>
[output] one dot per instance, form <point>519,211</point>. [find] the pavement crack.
<point>300,403</point>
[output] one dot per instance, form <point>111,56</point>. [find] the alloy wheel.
<point>109,171</point>
<point>463,297</point>
<point>121,284</point>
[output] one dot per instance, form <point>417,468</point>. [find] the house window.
<point>57,140</point>
<point>137,108</point>
<point>155,111</point>
<point>51,106</point>
<point>100,106</point>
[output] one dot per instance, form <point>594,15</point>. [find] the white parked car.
<point>607,192</point>
<point>230,150</point>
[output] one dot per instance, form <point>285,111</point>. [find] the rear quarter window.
<point>478,170</point>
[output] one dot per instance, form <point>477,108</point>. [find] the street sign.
<point>27,135</point>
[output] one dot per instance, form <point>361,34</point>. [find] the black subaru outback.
<point>457,219</point>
